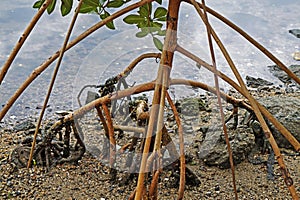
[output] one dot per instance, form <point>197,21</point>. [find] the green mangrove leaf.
<point>159,1</point>
<point>153,29</point>
<point>143,11</point>
<point>158,44</point>
<point>89,6</point>
<point>51,7</point>
<point>143,24</point>
<point>110,24</point>
<point>161,32</point>
<point>142,33</point>
<point>156,24</point>
<point>134,19</point>
<point>115,4</point>
<point>66,6</point>
<point>162,19</point>
<point>160,12</point>
<point>38,4</point>
<point>94,3</point>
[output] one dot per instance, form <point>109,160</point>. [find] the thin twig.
<point>153,186</point>
<point>53,80</point>
<point>136,61</point>
<point>181,148</point>
<point>22,39</point>
<point>102,119</point>
<point>212,53</point>
<point>112,140</point>
<point>129,128</point>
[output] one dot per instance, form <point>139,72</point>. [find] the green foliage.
<point>110,24</point>
<point>148,23</point>
<point>66,6</point>
<point>158,44</point>
<point>115,3</point>
<point>160,12</point>
<point>134,19</point>
<point>98,7</point>
<point>51,6</point>
<point>38,4</point>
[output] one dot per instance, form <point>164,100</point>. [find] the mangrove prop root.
<point>62,149</point>
<point>209,36</point>
<point>54,75</point>
<point>54,148</point>
<point>150,86</point>
<point>256,110</point>
<point>112,140</point>
<point>161,85</point>
<point>264,111</point>
<point>36,72</point>
<point>153,186</point>
<point>181,148</point>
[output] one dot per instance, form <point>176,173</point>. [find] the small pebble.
<point>296,56</point>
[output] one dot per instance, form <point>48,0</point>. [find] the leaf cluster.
<point>149,22</point>
<point>65,7</point>
<point>88,6</point>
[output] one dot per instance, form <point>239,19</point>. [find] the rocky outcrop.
<point>282,76</point>
<point>256,82</point>
<point>214,152</point>
<point>286,109</point>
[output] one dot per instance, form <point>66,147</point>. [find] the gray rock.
<point>286,109</point>
<point>192,106</point>
<point>23,126</point>
<point>91,96</point>
<point>281,75</point>
<point>256,82</point>
<point>19,156</point>
<point>214,149</point>
<point>295,32</point>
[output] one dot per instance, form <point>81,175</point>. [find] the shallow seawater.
<point>105,53</point>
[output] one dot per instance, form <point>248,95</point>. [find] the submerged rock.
<point>256,82</point>
<point>295,32</point>
<point>281,75</point>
